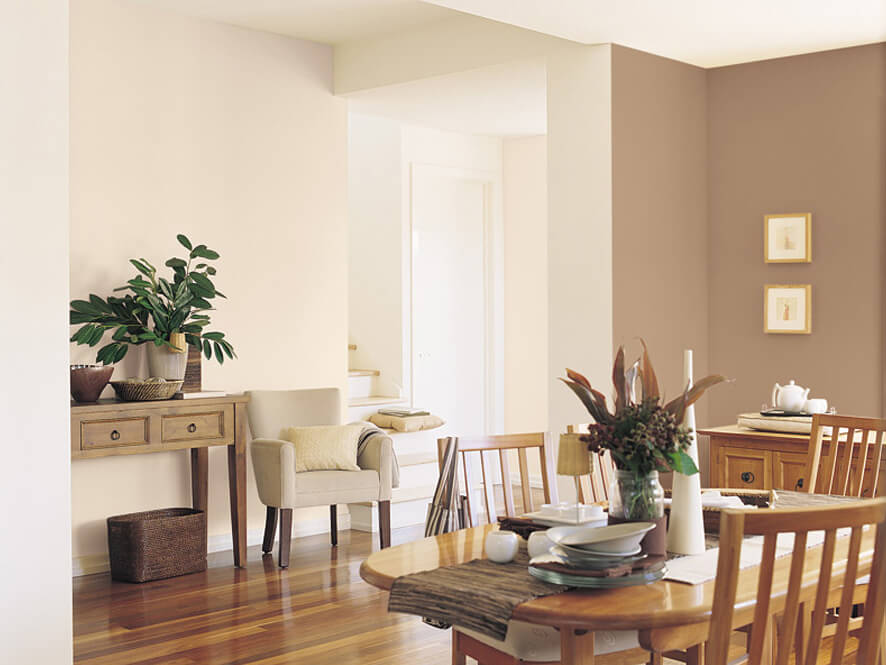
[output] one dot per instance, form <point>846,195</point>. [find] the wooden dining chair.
<point>492,451</point>
<point>783,591</point>
<point>525,644</point>
<point>594,488</point>
<point>851,467</point>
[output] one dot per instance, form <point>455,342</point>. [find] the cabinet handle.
<point>192,428</point>
<point>115,435</point>
<point>799,484</point>
<point>747,477</point>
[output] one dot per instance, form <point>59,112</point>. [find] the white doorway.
<point>451,296</point>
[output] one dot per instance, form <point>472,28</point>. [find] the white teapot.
<point>790,397</point>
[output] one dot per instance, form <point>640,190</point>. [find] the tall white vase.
<point>166,363</point>
<point>686,526</point>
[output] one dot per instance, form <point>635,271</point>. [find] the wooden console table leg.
<point>200,478</point>
<point>237,485</point>
<point>576,647</point>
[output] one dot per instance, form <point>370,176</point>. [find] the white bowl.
<point>615,538</point>
<point>502,546</point>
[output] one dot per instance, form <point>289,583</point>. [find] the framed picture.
<point>787,308</point>
<point>788,238</point>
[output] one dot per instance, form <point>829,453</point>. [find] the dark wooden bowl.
<point>88,381</point>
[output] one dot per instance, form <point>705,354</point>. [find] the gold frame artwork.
<point>807,299</point>
<point>807,256</point>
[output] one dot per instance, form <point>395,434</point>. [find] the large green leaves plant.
<point>153,308</point>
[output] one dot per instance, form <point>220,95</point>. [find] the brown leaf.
<point>589,400</point>
<point>618,380</point>
<point>698,389</point>
<point>578,378</point>
<point>650,381</point>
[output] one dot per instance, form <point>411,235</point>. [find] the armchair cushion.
<point>325,447</point>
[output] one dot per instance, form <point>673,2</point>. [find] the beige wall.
<point>232,137</point>
<point>659,209</point>
<point>524,171</point>
<point>35,614</point>
<point>800,134</point>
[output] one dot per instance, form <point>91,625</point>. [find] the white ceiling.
<point>504,100</point>
<point>327,21</point>
<point>707,33</point>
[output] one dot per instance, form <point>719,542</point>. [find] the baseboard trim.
<point>91,564</point>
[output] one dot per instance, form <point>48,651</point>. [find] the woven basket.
<point>157,544</point>
<point>145,392</point>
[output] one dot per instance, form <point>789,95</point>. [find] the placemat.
<point>479,595</point>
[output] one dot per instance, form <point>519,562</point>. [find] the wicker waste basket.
<point>157,544</point>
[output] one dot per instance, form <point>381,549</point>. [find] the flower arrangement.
<point>643,436</point>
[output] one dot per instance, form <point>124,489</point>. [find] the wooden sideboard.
<point>746,458</point>
<point>109,427</point>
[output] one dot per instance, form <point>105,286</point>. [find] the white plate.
<point>550,520</point>
<point>618,539</point>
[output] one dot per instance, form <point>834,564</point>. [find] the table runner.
<point>479,595</point>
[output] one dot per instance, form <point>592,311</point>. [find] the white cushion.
<point>530,641</point>
<point>325,447</point>
<point>318,488</point>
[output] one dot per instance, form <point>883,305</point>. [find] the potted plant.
<point>644,437</point>
<point>165,314</point>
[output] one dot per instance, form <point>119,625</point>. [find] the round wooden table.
<point>668,615</point>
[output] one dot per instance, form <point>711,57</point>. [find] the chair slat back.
<point>805,588</point>
<point>851,466</point>
<point>493,451</point>
<point>595,486</point>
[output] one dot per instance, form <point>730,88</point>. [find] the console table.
<point>109,427</point>
<point>747,458</point>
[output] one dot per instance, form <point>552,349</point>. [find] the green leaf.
<point>211,270</point>
<point>79,317</point>
<point>141,267</point>
<point>215,336</point>
<point>219,355</point>
<point>176,263</point>
<point>681,462</point>
<point>183,239</point>
<point>207,349</point>
<point>84,307</point>
<point>203,281</point>
<point>121,351</point>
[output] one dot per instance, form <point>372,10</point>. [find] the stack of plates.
<point>580,552</point>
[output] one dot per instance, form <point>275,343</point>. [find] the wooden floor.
<point>317,612</point>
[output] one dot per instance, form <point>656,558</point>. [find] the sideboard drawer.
<point>198,424</point>
<point>746,469</point>
<point>114,433</point>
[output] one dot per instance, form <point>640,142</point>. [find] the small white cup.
<point>539,544</point>
<point>813,406</point>
<point>502,546</point>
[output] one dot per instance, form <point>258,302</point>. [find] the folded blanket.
<point>369,431</point>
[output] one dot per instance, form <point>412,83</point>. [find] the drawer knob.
<point>115,435</point>
<point>799,484</point>
<point>192,428</point>
<point>747,477</point>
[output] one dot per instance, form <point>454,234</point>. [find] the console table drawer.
<point>199,424</point>
<point>114,433</point>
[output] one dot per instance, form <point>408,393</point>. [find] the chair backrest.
<point>821,586</point>
<point>594,487</point>
<point>486,447</point>
<point>852,466</point>
<point>272,411</point>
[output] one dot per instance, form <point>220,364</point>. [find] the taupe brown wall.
<point>659,207</point>
<point>799,134</point>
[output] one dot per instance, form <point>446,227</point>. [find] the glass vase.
<point>636,498</point>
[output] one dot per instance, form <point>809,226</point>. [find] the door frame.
<point>493,285</point>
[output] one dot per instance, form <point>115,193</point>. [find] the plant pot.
<point>88,381</point>
<point>640,499</point>
<point>166,363</point>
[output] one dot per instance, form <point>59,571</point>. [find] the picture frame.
<point>787,309</point>
<point>787,238</point>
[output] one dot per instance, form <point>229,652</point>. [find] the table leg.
<point>200,478</point>
<point>237,485</point>
<point>576,647</point>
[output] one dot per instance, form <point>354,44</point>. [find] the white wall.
<point>377,273</point>
<point>526,373</point>
<point>35,615</point>
<point>234,138</point>
<point>579,224</point>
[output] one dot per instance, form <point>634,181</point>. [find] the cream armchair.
<point>281,489</point>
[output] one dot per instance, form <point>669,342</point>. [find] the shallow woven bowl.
<point>145,392</point>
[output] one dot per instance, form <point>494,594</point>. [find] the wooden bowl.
<point>88,381</point>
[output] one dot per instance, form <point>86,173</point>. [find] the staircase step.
<point>363,372</point>
<point>376,400</point>
<point>415,459</point>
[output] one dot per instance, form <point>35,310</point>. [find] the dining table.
<point>668,615</point>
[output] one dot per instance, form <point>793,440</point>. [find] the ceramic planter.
<point>167,363</point>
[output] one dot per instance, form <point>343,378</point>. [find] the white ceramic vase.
<point>166,363</point>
